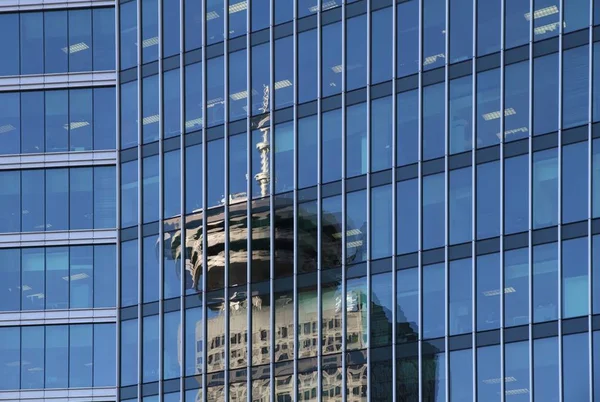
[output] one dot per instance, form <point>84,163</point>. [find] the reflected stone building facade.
<point>361,200</point>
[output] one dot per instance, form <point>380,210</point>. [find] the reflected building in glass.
<point>58,201</point>
<point>369,200</point>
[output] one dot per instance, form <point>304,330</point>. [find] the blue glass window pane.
<point>10,357</point>
<point>171,186</point>
<point>331,62</point>
<point>171,266</point>
<point>461,30</point>
<point>545,188</point>
<point>283,10</point>
<point>10,122</point>
<point>80,355</point>
<point>307,65</point>
<point>407,127</point>
<point>10,201</point>
<point>434,121</point>
<point>516,99</point>
<point>488,26</point>
<point>150,108</point>
<point>80,119</point>
<point>356,294</point>
<point>129,352</point>
<point>488,291</point>
<point>260,78</point>
<point>307,157</point>
<point>104,39</point>
<point>461,114</point>
<point>434,33</point>
<point>128,35</point>
<point>171,345</point>
<point>547,24</point>
<point>171,106</point>
<point>81,198</point>
<point>192,24</point>
<point>193,341</point>
<point>193,97</point>
<point>215,9</point>
<point>57,118</point>
<point>407,302</point>
<point>516,355</point>
<point>596,358</point>
<point>150,189</point>
<point>356,222</point>
<point>104,355</point>
<point>356,140</point>
<point>516,23</point>
<point>105,123</point>
<point>193,178</point>
<point>488,108</point>
<point>284,72</point>
<point>238,93</point>
<point>575,188</point>
<point>381,51</point>
<point>515,201</point>
<point>57,356</point>
<point>150,349</point>
<point>596,274</point>
<point>10,279</point>
<point>460,206</point>
<point>434,296</point>
<point>576,376</point>
<point>32,43</point>
<point>56,42</point>
<point>488,196</point>
<point>381,224</point>
<point>9,28</point>
<point>488,373</point>
<point>215,92</point>
<point>32,201</point>
<point>238,161</point>
<point>331,137</point>
<point>576,15</point>
<point>407,216</point>
<point>215,173</point>
<point>284,157</point>
<point>260,15</point>
<point>545,282</point>
<point>32,355</point>
<point>545,94</point>
<point>237,17</point>
<point>129,112</point>
<point>82,276</point>
<point>170,29</point>
<point>596,79</point>
<point>516,287</point>
<point>80,37</point>
<point>129,194</point>
<point>356,52</point>
<point>32,127</point>
<point>461,375</point>
<point>129,273</point>
<point>407,38</point>
<point>105,294</point>
<point>58,279</point>
<point>433,211</point>
<point>433,371</point>
<point>574,277</point>
<point>460,300</point>
<point>307,7</point>
<point>545,370</point>
<point>381,133</point>
<point>381,310</point>
<point>149,30</point>
<point>331,219</point>
<point>575,91</point>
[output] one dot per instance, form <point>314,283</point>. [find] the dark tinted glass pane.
<point>104,118</point>
<point>516,287</point>
<point>460,203</point>
<point>516,101</point>
<point>461,375</point>
<point>150,269</point>
<point>331,61</point>
<point>545,370</point>
<point>284,72</point>
<point>331,137</point>
<point>381,45</point>
<point>105,197</point>
<point>433,211</point>
<point>129,273</point>
<point>356,52</point>
<point>434,30</point>
<point>81,198</point>
<point>150,349</point>
<point>193,97</point>
<point>545,188</point>
<point>150,189</point>
<point>460,300</point>
<point>238,94</point>
<point>546,22</point>
<point>32,43</point>
<point>237,17</point>
<point>10,122</point>
<point>215,173</point>
<point>381,310</point>
<point>170,31</point>
<point>80,355</point>
<point>192,24</point>
<point>488,373</point>
<point>32,119</point>
<point>407,218</point>
<point>434,295</point>
<point>407,301</point>
<point>356,227</point>
<point>32,202</point>
<point>214,21</point>
<point>104,355</point>
<point>57,199</point>
<point>407,42</point>
<point>488,291</point>
<point>488,108</point>
<point>129,194</point>
<point>104,39</point>
<point>576,374</point>
<point>576,15</point>
<point>171,105</point>
<point>9,28</point>
<point>575,277</point>
<point>128,34</point>
<point>32,353</point>
<point>129,112</point>
<point>307,157</point>
<point>575,90</point>
<point>150,108</point>
<point>307,65</point>
<point>575,186</point>
<point>10,201</point>
<point>356,140</point>
<point>57,118</point>
<point>488,26</point>
<point>461,30</point>
<point>172,184</point>
<point>105,276</point>
<point>57,350</point>
<point>381,133</point>
<point>545,282</point>
<point>516,366</point>
<point>283,10</point>
<point>545,94</point>
<point>56,42</point>
<point>488,200</point>
<point>80,40</point>
<point>433,121</point>
<point>33,275</point>
<point>80,119</point>
<point>215,91</point>
<point>516,200</point>
<point>149,30</point>
<point>461,109</point>
<point>82,277</point>
<point>516,27</point>
<point>193,178</point>
<point>129,352</point>
<point>284,157</point>
<point>10,279</point>
<point>381,224</point>
<point>407,128</point>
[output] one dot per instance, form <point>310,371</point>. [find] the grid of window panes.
<point>360,200</point>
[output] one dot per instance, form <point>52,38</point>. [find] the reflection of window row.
<point>57,356</point>
<point>40,200</point>
<point>57,278</point>
<point>57,120</point>
<point>73,40</point>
